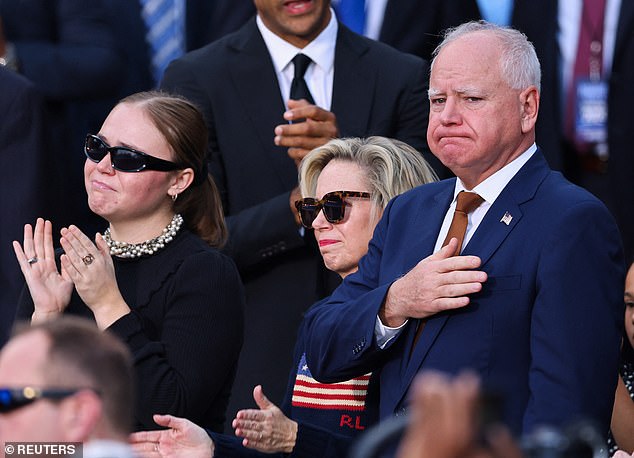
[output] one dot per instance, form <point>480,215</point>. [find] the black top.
<point>185,329</point>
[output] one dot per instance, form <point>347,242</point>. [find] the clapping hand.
<point>267,429</point>
<point>50,288</point>
<point>182,438</point>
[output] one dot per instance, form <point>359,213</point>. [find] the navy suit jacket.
<point>376,91</point>
<point>545,330</point>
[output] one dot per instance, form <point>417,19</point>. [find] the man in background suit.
<point>360,87</point>
<point>205,21</point>
<point>533,302</point>
<point>414,26</point>
<point>66,48</point>
<point>545,22</point>
<point>23,164</point>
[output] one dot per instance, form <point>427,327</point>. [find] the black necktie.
<point>299,89</point>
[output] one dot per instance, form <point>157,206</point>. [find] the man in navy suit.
<point>533,302</point>
<point>242,84</point>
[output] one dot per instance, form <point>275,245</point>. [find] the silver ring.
<point>32,260</point>
<point>88,259</point>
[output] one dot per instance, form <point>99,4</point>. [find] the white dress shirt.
<point>320,73</point>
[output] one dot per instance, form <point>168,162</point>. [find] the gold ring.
<point>88,259</point>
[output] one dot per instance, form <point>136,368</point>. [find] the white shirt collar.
<point>321,50</point>
<point>491,188</point>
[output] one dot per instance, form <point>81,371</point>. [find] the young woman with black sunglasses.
<point>155,276</point>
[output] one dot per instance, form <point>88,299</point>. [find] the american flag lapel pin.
<point>506,219</point>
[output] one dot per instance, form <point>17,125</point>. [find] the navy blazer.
<point>544,331</point>
<point>376,91</point>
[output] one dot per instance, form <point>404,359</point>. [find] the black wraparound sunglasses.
<point>14,398</point>
<point>333,204</point>
<point>125,159</point>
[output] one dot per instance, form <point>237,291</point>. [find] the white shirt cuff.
<point>385,334</point>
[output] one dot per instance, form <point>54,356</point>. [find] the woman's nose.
<point>320,222</point>
<point>105,165</point>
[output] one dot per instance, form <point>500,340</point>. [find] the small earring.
<point>174,197</point>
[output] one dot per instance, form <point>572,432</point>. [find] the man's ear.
<point>80,415</point>
<point>529,106</point>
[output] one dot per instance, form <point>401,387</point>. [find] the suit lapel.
<point>505,212</point>
<point>253,75</point>
<point>353,81</point>
<point>429,219</point>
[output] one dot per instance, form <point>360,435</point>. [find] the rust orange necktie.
<point>467,202</point>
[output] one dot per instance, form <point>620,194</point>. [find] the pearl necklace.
<point>149,247</point>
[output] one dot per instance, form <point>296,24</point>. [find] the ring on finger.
<point>32,260</point>
<point>88,259</point>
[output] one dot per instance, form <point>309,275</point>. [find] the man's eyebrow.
<point>432,92</point>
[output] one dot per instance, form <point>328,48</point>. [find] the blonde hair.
<point>391,166</point>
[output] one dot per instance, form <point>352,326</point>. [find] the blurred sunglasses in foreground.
<point>333,204</point>
<point>14,398</point>
<point>125,159</point>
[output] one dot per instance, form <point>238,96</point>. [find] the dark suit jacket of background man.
<point>68,50</point>
<point>544,332</point>
<point>205,21</point>
<point>23,163</point>
<point>415,26</point>
<point>376,91</point>
<point>538,19</point>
